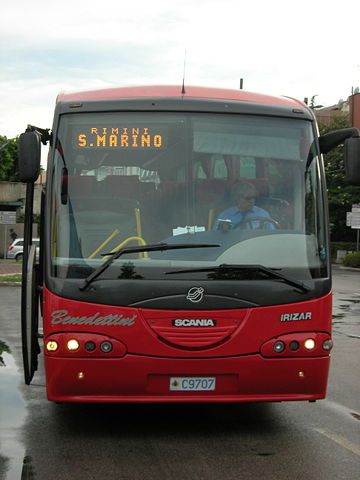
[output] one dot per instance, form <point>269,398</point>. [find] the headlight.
<point>106,346</point>
<point>294,345</point>
<point>90,346</point>
<point>279,346</point>
<point>51,346</point>
<point>73,345</point>
<point>309,344</point>
<point>328,344</point>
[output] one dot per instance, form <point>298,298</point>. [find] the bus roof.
<point>175,91</point>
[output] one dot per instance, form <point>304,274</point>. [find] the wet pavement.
<point>33,431</point>
<point>12,416</point>
<point>346,302</point>
<point>346,317</point>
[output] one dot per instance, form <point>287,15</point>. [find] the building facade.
<point>12,208</point>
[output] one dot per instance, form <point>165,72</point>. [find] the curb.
<point>354,269</point>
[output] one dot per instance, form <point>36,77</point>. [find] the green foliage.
<point>9,171</point>
<point>341,195</point>
<point>347,246</point>
<point>352,260</point>
<point>313,103</point>
<point>4,347</point>
<point>16,278</point>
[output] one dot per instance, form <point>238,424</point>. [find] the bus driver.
<point>245,214</point>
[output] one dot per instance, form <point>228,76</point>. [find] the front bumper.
<point>135,378</point>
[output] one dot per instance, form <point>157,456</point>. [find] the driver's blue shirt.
<point>234,215</point>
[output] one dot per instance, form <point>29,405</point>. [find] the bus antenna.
<point>183,82</point>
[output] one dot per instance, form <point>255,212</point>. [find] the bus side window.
<point>219,167</point>
<point>247,167</point>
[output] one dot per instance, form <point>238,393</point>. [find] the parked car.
<point>16,249</point>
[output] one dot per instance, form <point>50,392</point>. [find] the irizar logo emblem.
<point>195,294</point>
<point>293,317</point>
<point>194,322</point>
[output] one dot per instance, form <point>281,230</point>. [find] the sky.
<point>279,47</point>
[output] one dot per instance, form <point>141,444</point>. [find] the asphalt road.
<point>294,440</point>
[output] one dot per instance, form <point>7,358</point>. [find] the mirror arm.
<point>45,134</point>
<point>332,139</point>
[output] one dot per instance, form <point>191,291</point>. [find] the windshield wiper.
<point>156,247</point>
<point>224,267</point>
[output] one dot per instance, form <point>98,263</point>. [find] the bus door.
<point>29,169</point>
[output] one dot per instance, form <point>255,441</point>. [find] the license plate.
<point>192,384</point>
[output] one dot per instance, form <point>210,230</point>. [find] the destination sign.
<point>130,137</point>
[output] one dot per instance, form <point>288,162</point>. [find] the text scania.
<point>293,317</point>
<point>194,322</point>
<point>120,138</point>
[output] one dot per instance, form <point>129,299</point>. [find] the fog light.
<point>279,346</point>
<point>51,346</point>
<point>73,345</point>
<point>106,346</point>
<point>328,344</point>
<point>309,344</point>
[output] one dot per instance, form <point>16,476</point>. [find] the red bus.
<point>184,248</point>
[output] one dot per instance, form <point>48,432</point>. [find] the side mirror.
<point>29,156</point>
<point>352,160</point>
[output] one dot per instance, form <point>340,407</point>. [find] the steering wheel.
<point>261,220</point>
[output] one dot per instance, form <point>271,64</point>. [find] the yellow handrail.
<point>138,221</point>
<point>105,242</point>
<point>127,240</point>
<point>210,218</point>
<point>54,235</point>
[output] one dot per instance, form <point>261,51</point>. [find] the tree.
<point>341,195</point>
<point>313,105</point>
<point>9,170</point>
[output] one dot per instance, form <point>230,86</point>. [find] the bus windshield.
<point>248,185</point>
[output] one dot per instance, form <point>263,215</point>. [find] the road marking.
<point>352,447</point>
